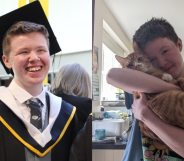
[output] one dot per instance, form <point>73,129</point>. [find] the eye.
<point>164,51</point>
<point>24,52</point>
<point>41,50</point>
<point>130,65</point>
<point>140,59</point>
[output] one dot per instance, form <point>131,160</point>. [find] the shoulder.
<point>80,101</point>
<point>77,101</point>
<point>5,94</point>
<point>53,97</point>
<point>60,100</point>
<point>2,88</point>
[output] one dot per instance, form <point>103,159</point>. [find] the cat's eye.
<point>130,65</point>
<point>140,59</point>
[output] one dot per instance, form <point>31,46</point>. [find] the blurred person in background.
<point>73,84</point>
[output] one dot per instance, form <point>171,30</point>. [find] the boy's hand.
<point>139,106</point>
<point>136,94</point>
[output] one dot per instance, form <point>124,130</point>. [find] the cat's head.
<point>135,61</point>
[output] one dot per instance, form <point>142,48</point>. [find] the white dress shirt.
<point>21,96</point>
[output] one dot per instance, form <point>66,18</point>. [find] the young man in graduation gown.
<point>27,41</point>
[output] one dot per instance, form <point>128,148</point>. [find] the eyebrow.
<point>163,47</point>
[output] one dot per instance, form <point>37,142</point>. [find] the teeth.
<point>33,69</point>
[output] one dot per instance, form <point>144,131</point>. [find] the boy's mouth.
<point>34,69</point>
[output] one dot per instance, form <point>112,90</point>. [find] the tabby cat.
<point>169,105</point>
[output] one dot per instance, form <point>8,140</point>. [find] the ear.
<point>179,44</point>
<point>121,60</point>
<point>6,61</point>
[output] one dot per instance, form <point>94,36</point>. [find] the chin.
<point>37,81</point>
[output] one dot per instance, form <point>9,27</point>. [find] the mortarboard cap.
<point>32,12</point>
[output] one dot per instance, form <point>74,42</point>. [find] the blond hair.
<point>72,79</point>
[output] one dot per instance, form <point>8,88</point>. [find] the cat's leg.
<point>180,82</point>
<point>147,132</point>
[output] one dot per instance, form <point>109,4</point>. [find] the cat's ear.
<point>121,60</point>
<point>136,48</point>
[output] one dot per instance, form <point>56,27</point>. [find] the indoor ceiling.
<point>130,14</point>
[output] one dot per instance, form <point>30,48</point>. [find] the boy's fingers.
<point>136,95</point>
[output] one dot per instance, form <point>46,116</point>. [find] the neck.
<point>34,89</point>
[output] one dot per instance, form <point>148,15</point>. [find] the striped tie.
<point>36,112</point>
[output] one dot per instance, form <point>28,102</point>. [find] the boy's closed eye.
<point>24,52</point>
<point>41,50</point>
<point>165,51</point>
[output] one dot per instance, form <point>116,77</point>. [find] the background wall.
<point>81,57</point>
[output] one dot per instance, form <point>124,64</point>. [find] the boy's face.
<point>29,59</point>
<point>166,55</point>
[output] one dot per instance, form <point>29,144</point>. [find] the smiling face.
<point>166,55</point>
<point>29,59</point>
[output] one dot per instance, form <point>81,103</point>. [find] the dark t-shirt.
<point>133,151</point>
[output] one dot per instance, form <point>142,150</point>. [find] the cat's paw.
<point>167,77</point>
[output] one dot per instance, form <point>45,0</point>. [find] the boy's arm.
<point>132,80</point>
<point>170,135</point>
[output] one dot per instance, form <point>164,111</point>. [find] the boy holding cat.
<point>158,40</point>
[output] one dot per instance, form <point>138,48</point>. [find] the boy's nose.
<point>162,63</point>
<point>34,56</point>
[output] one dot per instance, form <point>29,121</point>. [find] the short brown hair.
<point>19,28</point>
<point>153,29</point>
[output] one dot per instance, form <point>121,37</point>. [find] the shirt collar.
<point>41,96</point>
<point>22,95</point>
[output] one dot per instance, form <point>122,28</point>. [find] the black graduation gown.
<point>83,105</point>
<point>14,136</point>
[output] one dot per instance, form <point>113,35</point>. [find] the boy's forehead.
<point>32,12</point>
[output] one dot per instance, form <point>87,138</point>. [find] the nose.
<point>34,57</point>
<point>162,63</point>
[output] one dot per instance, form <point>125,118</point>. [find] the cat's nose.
<point>138,64</point>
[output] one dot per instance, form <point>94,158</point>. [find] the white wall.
<point>83,58</point>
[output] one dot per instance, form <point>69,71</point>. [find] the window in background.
<point>108,61</point>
